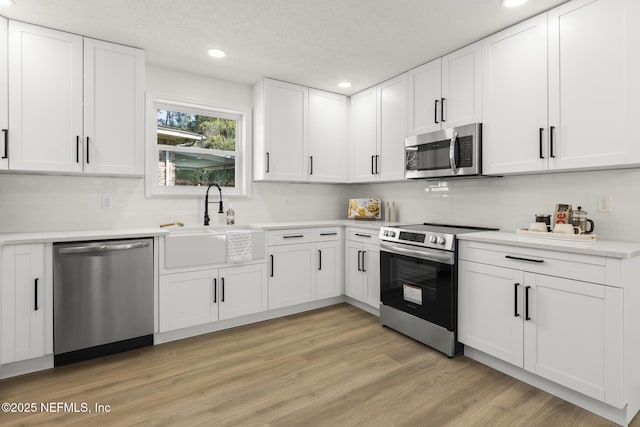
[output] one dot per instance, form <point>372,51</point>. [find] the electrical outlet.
<point>106,202</point>
<point>604,204</point>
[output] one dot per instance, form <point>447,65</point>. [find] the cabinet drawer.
<point>364,235</point>
<point>290,236</point>
<point>587,268</point>
<point>328,233</point>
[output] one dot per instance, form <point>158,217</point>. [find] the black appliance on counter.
<point>419,282</point>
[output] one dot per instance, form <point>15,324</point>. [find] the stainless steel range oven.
<point>419,283</point>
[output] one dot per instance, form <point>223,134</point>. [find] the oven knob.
<point>433,239</point>
<point>441,240</point>
<point>386,232</point>
<point>392,234</point>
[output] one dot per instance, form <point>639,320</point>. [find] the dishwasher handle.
<point>103,248</point>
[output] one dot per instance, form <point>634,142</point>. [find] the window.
<point>194,146</point>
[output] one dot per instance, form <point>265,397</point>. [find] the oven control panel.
<point>417,238</point>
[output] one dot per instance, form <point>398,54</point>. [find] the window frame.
<point>153,188</point>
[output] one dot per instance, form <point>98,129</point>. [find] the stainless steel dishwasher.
<point>102,298</point>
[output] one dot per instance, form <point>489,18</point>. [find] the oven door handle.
<point>444,257</point>
<point>452,153</point>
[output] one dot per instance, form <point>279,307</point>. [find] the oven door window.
<point>418,287</point>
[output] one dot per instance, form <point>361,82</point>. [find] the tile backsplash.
<point>511,202</point>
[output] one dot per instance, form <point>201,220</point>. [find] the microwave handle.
<point>452,153</point>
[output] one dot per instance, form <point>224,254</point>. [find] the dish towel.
<point>239,248</point>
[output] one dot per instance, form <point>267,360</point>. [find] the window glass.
<point>195,147</point>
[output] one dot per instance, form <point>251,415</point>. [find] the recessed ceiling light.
<point>513,3</point>
<point>6,2</point>
<point>217,53</point>
<point>344,85</point>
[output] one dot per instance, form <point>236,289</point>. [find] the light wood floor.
<point>331,367</point>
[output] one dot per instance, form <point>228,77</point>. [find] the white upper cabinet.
<point>45,99</point>
<point>446,92</point>
<point>591,85</point>
<point>589,51</point>
<point>4,96</point>
<point>392,117</point>
<point>425,91</point>
<point>113,108</point>
<point>299,133</point>
<point>515,123</point>
<point>378,120</point>
<point>280,143</point>
<point>76,105</point>
<point>364,144</point>
<point>327,137</point>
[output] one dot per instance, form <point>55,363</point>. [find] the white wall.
<point>56,203</point>
<point>511,202</point>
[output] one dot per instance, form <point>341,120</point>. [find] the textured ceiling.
<point>316,43</point>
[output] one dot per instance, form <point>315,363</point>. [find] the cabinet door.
<point>113,108</point>
<point>514,128</point>
<point>392,129</point>
<point>4,96</point>
<point>327,137</point>
<point>588,83</point>
<point>329,262</point>
<point>187,299</point>
<point>574,336</point>
<point>371,269</point>
<point>462,87</point>
<point>354,276</point>
<point>46,107</point>
<point>24,306</point>
<point>424,92</point>
<point>291,275</point>
<point>364,135</point>
<point>285,112</point>
<point>242,290</point>
<point>490,310</point>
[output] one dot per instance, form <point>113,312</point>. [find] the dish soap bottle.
<point>231,216</point>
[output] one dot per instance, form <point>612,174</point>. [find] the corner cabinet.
<point>299,133</point>
<point>200,297</point>
<point>553,314</point>
<point>85,114</point>
<point>378,128</point>
<point>446,92</point>
<point>27,302</point>
<point>587,48</point>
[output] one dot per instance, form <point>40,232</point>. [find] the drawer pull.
<point>329,234</point>
<point>539,261</point>
<point>515,300</point>
<point>363,235</point>
<point>293,236</point>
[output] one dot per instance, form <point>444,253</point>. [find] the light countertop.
<point>324,223</point>
<point>77,236</point>
<point>606,248</point>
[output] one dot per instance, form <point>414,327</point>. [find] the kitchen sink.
<point>191,246</point>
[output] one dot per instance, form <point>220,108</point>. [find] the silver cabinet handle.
<point>452,153</point>
<point>103,248</point>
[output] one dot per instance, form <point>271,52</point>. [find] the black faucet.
<point>206,203</point>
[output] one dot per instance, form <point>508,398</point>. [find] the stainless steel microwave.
<point>453,152</point>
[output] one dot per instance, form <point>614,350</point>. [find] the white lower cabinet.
<point>291,277</point>
<point>27,304</point>
<point>305,265</point>
<point>567,331</point>
<point>362,268</point>
<point>199,297</point>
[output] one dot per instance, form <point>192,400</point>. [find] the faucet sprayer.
<point>206,203</point>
